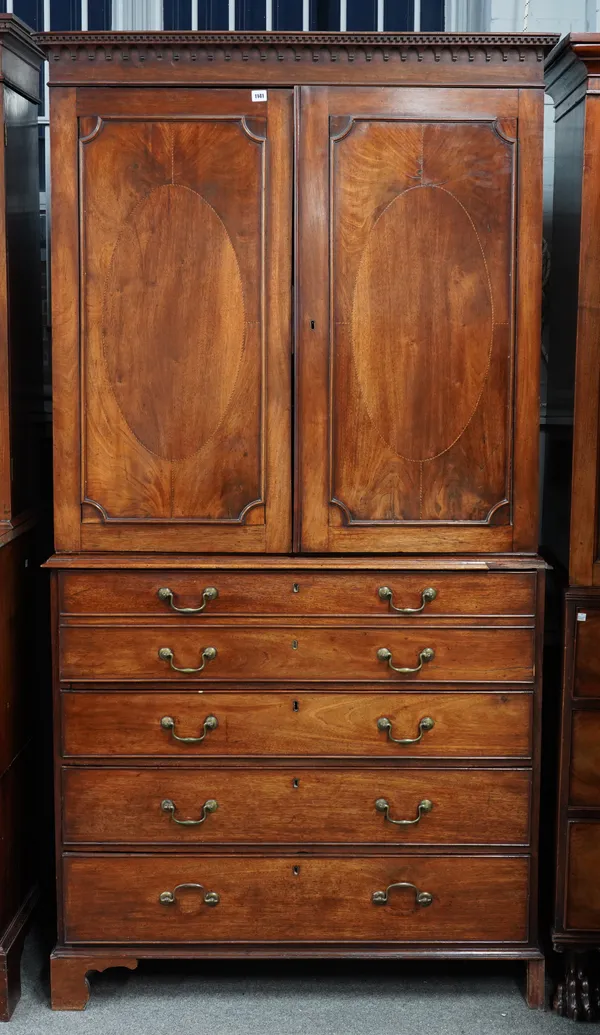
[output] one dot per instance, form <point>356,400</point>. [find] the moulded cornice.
<point>380,40</point>
<point>296,57</point>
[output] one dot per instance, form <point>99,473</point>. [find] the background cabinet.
<point>573,83</point>
<point>20,452</point>
<point>246,612</point>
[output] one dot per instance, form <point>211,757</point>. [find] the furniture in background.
<point>297,606</point>
<point>573,77</point>
<point>20,448</point>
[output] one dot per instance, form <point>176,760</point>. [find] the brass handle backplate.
<point>429,594</point>
<point>208,594</point>
<point>208,654</point>
<point>384,725</point>
<point>167,898</point>
<point>210,723</point>
<point>425,655</point>
<point>422,898</point>
<point>382,806</point>
<point>209,806</point>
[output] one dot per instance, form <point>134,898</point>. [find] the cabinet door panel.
<point>184,249</point>
<point>417,344</point>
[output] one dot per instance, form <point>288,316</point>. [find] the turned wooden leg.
<point>578,996</point>
<point>69,986</point>
<point>536,984</point>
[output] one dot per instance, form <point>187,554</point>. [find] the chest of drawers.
<point>257,809</point>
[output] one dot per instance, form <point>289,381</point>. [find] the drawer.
<point>297,653</point>
<point>297,593</point>
<point>288,806</point>
<point>586,681</point>
<point>585,760</point>
<point>302,724</point>
<point>118,899</point>
<point>583,886</point>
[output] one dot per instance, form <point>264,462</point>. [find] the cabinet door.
<point>172,338</point>
<point>418,322</point>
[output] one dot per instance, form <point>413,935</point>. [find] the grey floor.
<point>289,999</point>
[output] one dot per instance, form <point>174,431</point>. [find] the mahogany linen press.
<point>297,602</point>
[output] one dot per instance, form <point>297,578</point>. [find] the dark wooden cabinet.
<point>572,74</point>
<point>577,908</point>
<point>20,405</point>
<point>297,606</point>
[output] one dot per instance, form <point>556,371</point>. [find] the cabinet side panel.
<point>528,304</point>
<point>65,320</point>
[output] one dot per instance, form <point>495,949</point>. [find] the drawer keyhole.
<point>295,782</point>
<point>295,706</point>
<point>295,870</point>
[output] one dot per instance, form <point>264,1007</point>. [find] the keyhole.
<point>294,644</point>
<point>296,587</point>
<point>295,782</point>
<point>295,706</point>
<point>295,870</point>
<point>312,325</point>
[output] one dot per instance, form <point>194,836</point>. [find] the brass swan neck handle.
<point>167,595</point>
<point>425,655</point>
<point>384,725</point>
<point>422,898</point>
<point>211,805</point>
<point>210,723</point>
<point>424,806</point>
<point>427,595</point>
<point>208,654</point>
<point>168,898</point>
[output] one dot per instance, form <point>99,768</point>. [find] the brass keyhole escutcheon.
<point>296,587</point>
<point>294,644</point>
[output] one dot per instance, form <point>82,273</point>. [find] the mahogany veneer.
<point>280,724</point>
<point>296,362</point>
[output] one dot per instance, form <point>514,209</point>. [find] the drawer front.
<point>586,681</point>
<point>117,899</point>
<point>424,806</point>
<point>296,653</point>
<point>494,725</point>
<point>297,593</point>
<point>585,760</point>
<point>583,886</point>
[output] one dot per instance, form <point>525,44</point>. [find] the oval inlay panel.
<point>422,322</point>
<point>173,321</point>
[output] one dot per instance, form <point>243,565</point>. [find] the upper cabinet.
<point>419,237</point>
<point>173,389</point>
<point>573,75</point>
<point>403,221</point>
